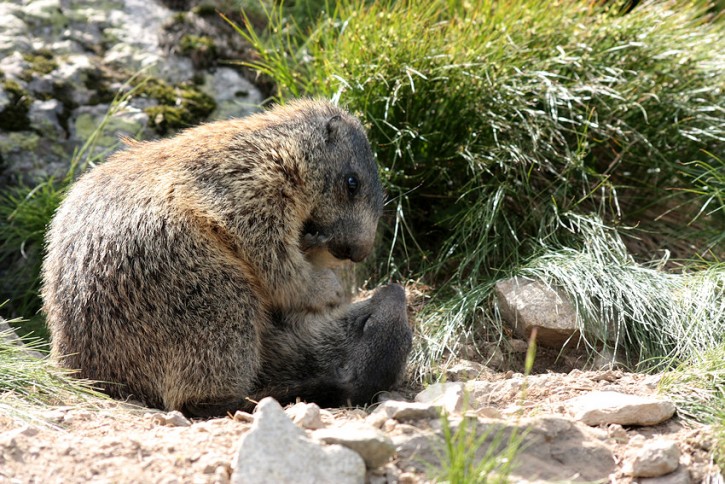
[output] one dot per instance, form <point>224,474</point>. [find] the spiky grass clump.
<point>490,119</point>
<point>650,316</point>
<point>475,453</point>
<point>29,382</point>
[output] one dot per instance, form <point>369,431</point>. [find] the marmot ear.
<point>332,127</point>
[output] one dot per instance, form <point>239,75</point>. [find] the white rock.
<point>305,415</point>
<point>170,419</point>
<point>655,458</point>
<point>603,408</point>
<point>372,444</point>
<point>450,396</point>
<point>276,450</point>
<point>402,411</point>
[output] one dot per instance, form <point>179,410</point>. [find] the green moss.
<point>180,106</point>
<point>200,49</point>
<point>40,62</point>
<point>205,10</point>
<point>15,115</point>
<point>197,43</point>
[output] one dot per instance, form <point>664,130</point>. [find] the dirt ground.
<point>117,442</point>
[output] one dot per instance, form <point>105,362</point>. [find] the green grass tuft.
<point>29,382</point>
<point>647,315</point>
<point>471,456</point>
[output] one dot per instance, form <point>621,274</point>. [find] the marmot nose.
<point>355,253</point>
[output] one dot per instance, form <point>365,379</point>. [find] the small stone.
<point>488,412</point>
<point>604,408</point>
<point>654,459</point>
<point>305,415</point>
<point>519,346</point>
<point>76,416</point>
<point>450,396</point>
<point>240,416</point>
<point>464,370</point>
<point>403,411</point>
<point>617,432</point>
<point>373,445</point>
<point>276,450</point>
<point>170,419</point>
<point>526,304</point>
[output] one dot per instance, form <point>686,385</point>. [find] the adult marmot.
<point>195,272</point>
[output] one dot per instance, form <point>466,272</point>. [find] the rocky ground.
<point>593,426</point>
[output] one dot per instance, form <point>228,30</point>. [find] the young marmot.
<point>194,273</point>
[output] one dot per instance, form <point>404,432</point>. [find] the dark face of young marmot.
<point>191,272</point>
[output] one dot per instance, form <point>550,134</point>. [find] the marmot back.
<point>169,265</point>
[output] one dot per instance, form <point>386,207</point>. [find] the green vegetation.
<point>472,456</point>
<point>698,389</point>
<point>200,48</point>
<point>501,126</point>
<point>40,62</point>
<point>179,107</point>
<point>35,381</point>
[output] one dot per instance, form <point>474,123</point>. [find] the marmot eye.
<point>352,184</point>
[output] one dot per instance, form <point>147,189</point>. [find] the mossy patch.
<point>15,115</point>
<point>180,106</point>
<point>40,62</point>
<point>200,49</point>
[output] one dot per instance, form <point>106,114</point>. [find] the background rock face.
<point>62,62</point>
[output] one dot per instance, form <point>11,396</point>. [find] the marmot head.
<point>345,216</point>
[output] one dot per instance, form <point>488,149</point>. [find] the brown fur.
<point>179,268</point>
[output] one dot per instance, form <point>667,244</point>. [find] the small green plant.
<point>472,456</point>
<point>697,387</point>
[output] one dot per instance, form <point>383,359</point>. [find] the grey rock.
<point>653,459</point>
<point>603,408</point>
<point>276,450</point>
<point>43,117</point>
<point>235,96</point>
<point>4,100</point>
<point>526,304</point>
<point>372,444</point>
<point>680,476</point>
